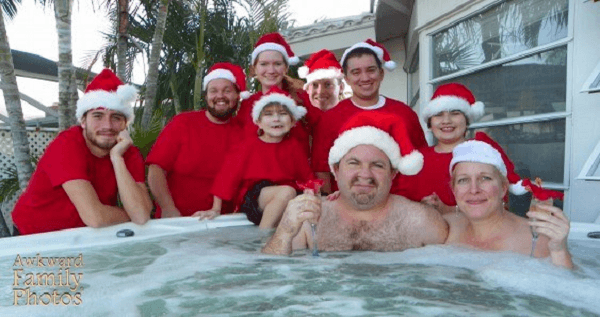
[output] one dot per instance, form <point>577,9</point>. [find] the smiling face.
<point>478,188</point>
<point>324,93</point>
<point>270,67</point>
<point>449,127</point>
<point>221,99</point>
<point>364,176</point>
<point>276,121</point>
<point>364,76</point>
<point>101,128</point>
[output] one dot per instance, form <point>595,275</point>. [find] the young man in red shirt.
<point>362,65</point>
<point>77,180</point>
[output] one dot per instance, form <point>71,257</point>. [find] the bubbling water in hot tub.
<point>222,272</point>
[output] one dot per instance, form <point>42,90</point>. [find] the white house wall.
<point>582,201</point>
<point>395,83</point>
<point>584,195</point>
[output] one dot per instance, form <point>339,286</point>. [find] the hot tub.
<point>183,267</point>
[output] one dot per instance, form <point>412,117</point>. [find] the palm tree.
<point>153,62</point>
<point>66,107</point>
<point>13,106</point>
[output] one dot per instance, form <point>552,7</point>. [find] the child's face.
<point>276,121</point>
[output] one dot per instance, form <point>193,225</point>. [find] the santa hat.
<point>320,65</point>
<point>385,131</point>
<point>485,150</point>
<point>275,94</point>
<point>453,96</point>
<point>106,90</point>
<point>378,49</point>
<point>274,42</point>
<point>540,193</point>
<point>231,72</point>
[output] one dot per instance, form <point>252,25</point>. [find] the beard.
<point>364,199</point>
<point>107,145</point>
<point>221,114</point>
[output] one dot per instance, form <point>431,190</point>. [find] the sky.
<point>33,30</point>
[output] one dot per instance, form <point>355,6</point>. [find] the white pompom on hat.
<point>274,42</point>
<point>382,54</point>
<point>107,91</point>
<point>385,131</point>
<point>231,72</point>
<point>276,95</point>
<point>484,149</point>
<point>453,96</point>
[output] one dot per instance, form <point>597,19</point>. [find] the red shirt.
<point>44,205</point>
<point>301,130</point>
<point>332,120</point>
<point>283,163</point>
<point>191,149</point>
<point>433,178</point>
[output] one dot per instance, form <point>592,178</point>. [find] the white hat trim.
<point>323,73</point>
<point>119,101</point>
<point>378,51</point>
<point>271,47</point>
<point>366,135</point>
<point>219,73</point>
<point>450,103</point>
<point>485,153</point>
<point>297,111</point>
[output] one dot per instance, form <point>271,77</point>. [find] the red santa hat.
<point>453,96</point>
<point>320,65</point>
<point>484,149</point>
<point>106,90</point>
<point>274,42</point>
<point>231,72</point>
<point>276,95</point>
<point>385,131</point>
<point>378,49</point>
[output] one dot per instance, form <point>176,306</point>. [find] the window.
<point>513,56</point>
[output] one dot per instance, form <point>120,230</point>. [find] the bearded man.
<point>77,180</point>
<point>371,150</point>
<point>190,150</point>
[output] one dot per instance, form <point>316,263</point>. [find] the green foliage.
<point>230,30</point>
<point>144,138</point>
<point>9,184</point>
<point>9,7</point>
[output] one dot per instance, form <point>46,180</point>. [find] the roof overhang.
<point>392,18</point>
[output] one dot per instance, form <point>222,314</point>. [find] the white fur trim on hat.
<point>273,47</point>
<point>450,103</point>
<point>367,135</point>
<point>333,73</point>
<point>220,73</point>
<point>119,101</point>
<point>389,65</point>
<point>297,111</point>
<point>303,71</point>
<point>479,152</point>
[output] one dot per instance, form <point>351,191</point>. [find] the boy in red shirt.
<point>260,176</point>
<point>77,180</point>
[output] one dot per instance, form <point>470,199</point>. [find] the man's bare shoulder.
<point>403,205</point>
<point>425,221</point>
